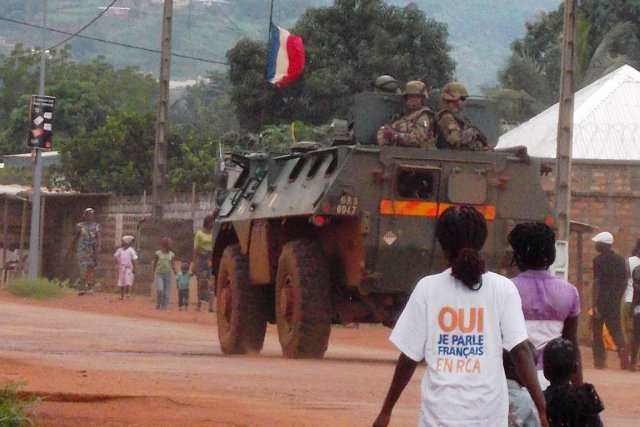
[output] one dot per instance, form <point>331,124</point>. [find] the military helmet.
<point>454,91</point>
<point>415,87</point>
<point>386,83</point>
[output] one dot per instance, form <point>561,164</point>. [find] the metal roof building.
<point>606,122</point>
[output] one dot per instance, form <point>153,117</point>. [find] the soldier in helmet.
<point>417,127</point>
<point>454,130</point>
<point>386,83</point>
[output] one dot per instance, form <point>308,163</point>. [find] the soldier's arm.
<point>450,130</point>
<point>380,139</point>
<point>419,134</point>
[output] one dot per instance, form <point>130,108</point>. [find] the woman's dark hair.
<point>636,249</point>
<point>208,221</point>
<point>560,359</point>
<point>571,405</point>
<point>462,232</point>
<point>534,246</point>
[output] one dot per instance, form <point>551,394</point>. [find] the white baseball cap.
<point>604,237</point>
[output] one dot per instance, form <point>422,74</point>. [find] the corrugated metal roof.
<point>16,191</point>
<point>48,158</point>
<point>606,122</point>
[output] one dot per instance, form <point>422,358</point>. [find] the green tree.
<point>192,160</point>
<point>116,157</point>
<point>534,65</point>
<point>85,94</point>
<point>347,45</point>
<point>206,107</point>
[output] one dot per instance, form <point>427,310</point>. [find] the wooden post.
<point>23,229</point>
<point>565,122</point>
<point>160,155</point>
<point>40,243</point>
<point>5,217</point>
<point>193,203</point>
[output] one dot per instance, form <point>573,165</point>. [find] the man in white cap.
<point>609,283</point>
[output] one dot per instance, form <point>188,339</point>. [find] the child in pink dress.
<point>126,258</point>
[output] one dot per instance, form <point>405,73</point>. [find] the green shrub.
<point>39,288</point>
<point>12,407</point>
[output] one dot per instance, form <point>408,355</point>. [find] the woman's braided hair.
<point>571,405</point>
<point>534,246</point>
<point>462,232</point>
<point>560,358</point>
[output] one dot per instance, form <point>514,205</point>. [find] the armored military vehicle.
<point>342,233</point>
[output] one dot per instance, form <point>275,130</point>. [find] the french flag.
<point>286,57</point>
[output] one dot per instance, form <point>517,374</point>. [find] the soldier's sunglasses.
<point>463,98</point>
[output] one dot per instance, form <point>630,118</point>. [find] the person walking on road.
<point>550,305</point>
<point>201,261</point>
<point>126,258</point>
<point>87,236</point>
<point>610,274</point>
<point>458,322</point>
<point>161,269</point>
<point>182,281</point>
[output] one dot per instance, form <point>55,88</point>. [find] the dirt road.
<point>104,362</point>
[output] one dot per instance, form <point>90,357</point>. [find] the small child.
<point>161,270</point>
<point>126,258</point>
<point>182,280</point>
<point>522,410</point>
<point>568,405</point>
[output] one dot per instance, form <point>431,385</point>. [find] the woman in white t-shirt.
<point>458,322</point>
<point>633,261</point>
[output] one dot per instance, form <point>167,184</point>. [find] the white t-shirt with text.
<point>460,333</point>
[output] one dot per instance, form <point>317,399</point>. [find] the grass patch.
<point>12,407</point>
<point>39,288</point>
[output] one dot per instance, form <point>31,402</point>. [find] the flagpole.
<point>266,70</point>
<point>269,37</point>
<point>270,20</point>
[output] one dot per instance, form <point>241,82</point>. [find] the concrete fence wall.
<point>122,215</point>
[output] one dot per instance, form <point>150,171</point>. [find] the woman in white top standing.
<point>633,261</point>
<point>458,322</point>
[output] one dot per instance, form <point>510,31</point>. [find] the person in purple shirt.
<point>550,304</point>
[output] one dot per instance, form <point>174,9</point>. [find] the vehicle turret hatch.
<point>467,187</point>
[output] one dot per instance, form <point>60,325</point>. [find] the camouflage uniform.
<point>456,133</point>
<point>416,129</point>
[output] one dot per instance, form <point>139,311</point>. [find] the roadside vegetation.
<point>40,288</point>
<point>13,408</point>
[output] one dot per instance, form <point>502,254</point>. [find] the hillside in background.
<point>480,31</point>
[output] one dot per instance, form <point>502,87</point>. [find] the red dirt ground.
<point>100,361</point>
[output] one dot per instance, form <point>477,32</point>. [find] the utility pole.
<point>160,155</point>
<point>34,233</point>
<point>565,129</point>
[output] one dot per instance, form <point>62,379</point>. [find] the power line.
<point>83,28</point>
<point>130,46</point>
<point>232,26</point>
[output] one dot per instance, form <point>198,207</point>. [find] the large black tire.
<point>303,309</point>
<point>240,307</point>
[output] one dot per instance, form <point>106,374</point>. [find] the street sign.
<point>40,122</point>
